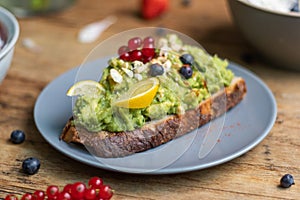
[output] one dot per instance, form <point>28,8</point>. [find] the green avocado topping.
<point>175,93</point>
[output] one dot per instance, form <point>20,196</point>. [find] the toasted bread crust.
<point>108,144</point>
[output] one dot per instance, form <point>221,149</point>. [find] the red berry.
<point>11,197</point>
<point>77,190</point>
<point>148,42</point>
<point>27,196</point>
<point>100,198</point>
<point>95,182</point>
<point>135,43</point>
<point>136,55</point>
<point>148,54</point>
<point>52,192</point>
<point>123,49</point>
<point>68,187</point>
<point>148,46</point>
<point>90,194</point>
<point>105,192</point>
<point>154,8</point>
<point>125,56</point>
<point>64,196</point>
<point>39,195</point>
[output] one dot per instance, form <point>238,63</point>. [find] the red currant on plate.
<point>148,42</point>
<point>135,43</point>
<point>125,56</point>
<point>123,49</point>
<point>148,54</point>
<point>136,55</point>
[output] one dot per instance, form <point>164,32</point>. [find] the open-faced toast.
<point>107,143</point>
<point>155,133</point>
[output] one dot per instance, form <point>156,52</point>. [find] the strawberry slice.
<point>154,8</point>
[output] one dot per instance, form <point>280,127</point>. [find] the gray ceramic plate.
<point>245,126</point>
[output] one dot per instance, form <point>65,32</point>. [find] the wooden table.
<point>255,175</point>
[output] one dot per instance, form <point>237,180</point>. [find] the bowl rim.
<point>16,28</point>
<point>288,14</point>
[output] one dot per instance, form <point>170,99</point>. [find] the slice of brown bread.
<point>119,144</point>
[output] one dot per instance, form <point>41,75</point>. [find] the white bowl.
<point>10,27</point>
<point>275,35</point>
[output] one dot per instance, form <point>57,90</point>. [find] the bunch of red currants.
<point>95,190</point>
<point>138,49</point>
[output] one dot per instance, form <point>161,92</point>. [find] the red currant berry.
<point>135,43</point>
<point>64,196</point>
<point>90,194</point>
<point>11,197</point>
<point>125,56</point>
<point>136,55</point>
<point>105,192</point>
<point>39,195</point>
<point>95,182</point>
<point>77,190</point>
<point>148,42</point>
<point>148,54</point>
<point>67,188</point>
<point>52,192</point>
<point>123,49</point>
<point>27,196</point>
<point>148,46</point>
<point>100,198</point>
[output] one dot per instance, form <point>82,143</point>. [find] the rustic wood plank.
<point>255,175</point>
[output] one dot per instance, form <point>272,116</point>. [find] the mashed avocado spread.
<point>182,87</point>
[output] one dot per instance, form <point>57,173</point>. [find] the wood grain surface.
<point>255,175</point>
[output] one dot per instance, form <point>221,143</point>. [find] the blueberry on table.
<point>31,165</point>
<point>287,181</point>
<point>187,59</point>
<point>17,136</point>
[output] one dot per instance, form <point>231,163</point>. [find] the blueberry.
<point>31,165</point>
<point>186,71</point>
<point>156,70</point>
<point>296,7</point>
<point>187,59</point>
<point>286,181</point>
<point>17,136</point>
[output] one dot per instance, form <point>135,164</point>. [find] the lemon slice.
<point>140,95</point>
<point>85,88</point>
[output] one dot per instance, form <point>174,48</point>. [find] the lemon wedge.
<point>85,88</point>
<point>140,95</point>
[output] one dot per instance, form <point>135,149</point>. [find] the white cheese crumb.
<point>138,76</point>
<point>116,76</point>
<point>128,72</point>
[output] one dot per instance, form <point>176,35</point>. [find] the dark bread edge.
<point>107,144</point>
